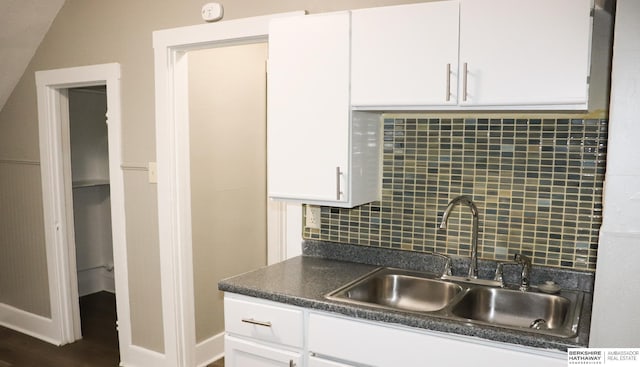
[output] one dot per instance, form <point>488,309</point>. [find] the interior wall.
<point>89,32</point>
<point>88,133</point>
<point>23,285</point>
<point>143,258</point>
<point>228,172</point>
<point>615,320</point>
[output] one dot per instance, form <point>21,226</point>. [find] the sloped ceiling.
<point>23,24</point>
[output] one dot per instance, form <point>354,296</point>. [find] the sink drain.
<point>538,324</point>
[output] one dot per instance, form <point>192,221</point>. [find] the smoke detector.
<point>212,12</point>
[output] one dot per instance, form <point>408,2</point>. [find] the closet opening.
<point>92,230</point>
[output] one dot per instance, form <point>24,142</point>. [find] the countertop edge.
<point>429,323</point>
<point>293,282</point>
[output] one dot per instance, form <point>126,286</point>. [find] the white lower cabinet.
<point>264,333</point>
<point>240,352</point>
<point>261,333</point>
<point>373,344</point>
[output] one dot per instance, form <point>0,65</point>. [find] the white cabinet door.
<point>317,151</point>
<point>374,344</point>
<point>319,362</point>
<point>405,55</point>
<point>524,52</point>
<point>245,353</point>
<point>308,105</point>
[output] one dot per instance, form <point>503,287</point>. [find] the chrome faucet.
<point>518,259</point>
<point>473,266</point>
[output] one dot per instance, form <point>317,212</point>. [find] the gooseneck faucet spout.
<point>473,266</point>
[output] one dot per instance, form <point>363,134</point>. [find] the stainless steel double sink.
<point>425,293</point>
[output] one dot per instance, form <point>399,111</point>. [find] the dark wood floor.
<point>98,347</point>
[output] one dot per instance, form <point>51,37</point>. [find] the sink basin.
<point>538,312</point>
<point>399,290</point>
<point>467,300</point>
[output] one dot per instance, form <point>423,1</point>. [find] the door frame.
<point>53,121</point>
<point>174,192</point>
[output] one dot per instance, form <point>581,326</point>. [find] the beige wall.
<point>227,122</point>
<point>94,32</point>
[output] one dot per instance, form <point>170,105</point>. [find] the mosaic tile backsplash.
<point>537,183</point>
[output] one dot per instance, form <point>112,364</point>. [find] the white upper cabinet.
<point>525,53</point>
<point>326,69</point>
<point>317,152</point>
<point>480,54</point>
<point>405,55</point>
<point>308,108</point>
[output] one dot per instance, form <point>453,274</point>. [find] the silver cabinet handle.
<point>448,82</point>
<point>338,191</point>
<point>291,364</point>
<point>256,322</point>
<point>465,72</point>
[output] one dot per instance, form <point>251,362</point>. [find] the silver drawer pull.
<point>291,363</point>
<point>256,322</point>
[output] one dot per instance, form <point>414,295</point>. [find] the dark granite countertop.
<point>305,280</point>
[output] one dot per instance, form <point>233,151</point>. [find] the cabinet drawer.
<point>245,353</point>
<point>263,321</point>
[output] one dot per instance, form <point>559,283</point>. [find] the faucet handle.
<point>447,267</point>
<point>447,263</point>
<point>526,270</point>
<point>499,275</point>
<point>521,259</point>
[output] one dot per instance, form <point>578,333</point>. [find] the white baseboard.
<point>108,281</point>
<point>28,323</point>
<point>207,351</point>
<point>95,280</point>
<point>134,356</point>
<point>210,350</point>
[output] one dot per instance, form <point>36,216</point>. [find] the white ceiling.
<point>23,24</point>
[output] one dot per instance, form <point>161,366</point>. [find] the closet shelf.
<point>90,183</point>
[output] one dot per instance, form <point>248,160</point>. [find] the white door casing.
<point>52,86</point>
<point>174,197</point>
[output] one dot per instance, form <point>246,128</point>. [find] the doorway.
<point>89,157</point>
<point>89,150</point>
<point>227,140</point>
<point>53,88</point>
<point>171,47</point>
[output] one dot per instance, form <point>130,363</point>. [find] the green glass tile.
<point>537,182</point>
